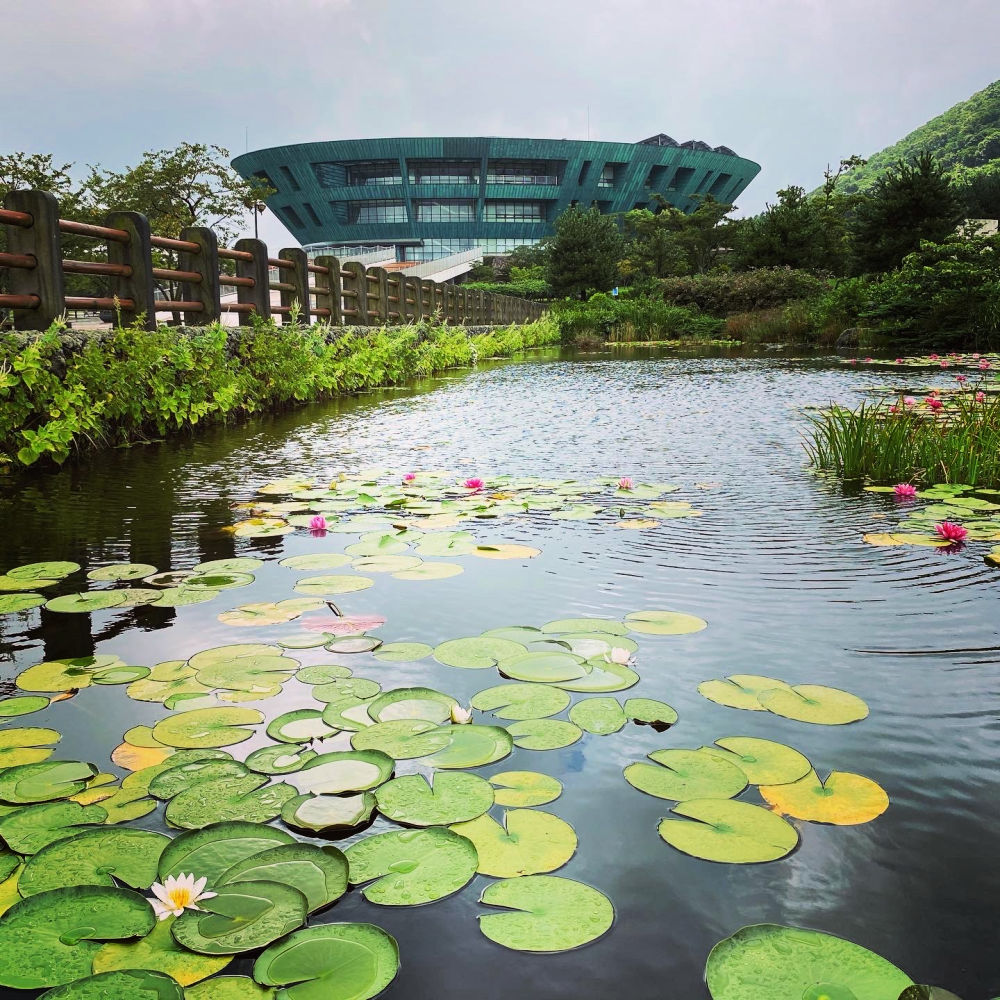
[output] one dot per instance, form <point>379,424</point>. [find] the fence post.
<point>427,298</point>
<point>395,306</point>
<point>440,304</point>
<point>410,290</point>
<point>378,296</point>
<point>137,255</point>
<point>206,262</point>
<point>41,241</point>
<point>259,296</point>
<point>330,282</point>
<point>297,275</point>
<point>355,289</point>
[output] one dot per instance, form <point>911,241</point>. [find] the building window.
<point>312,213</point>
<point>607,178</point>
<point>681,178</point>
<point>521,172</point>
<point>291,217</point>
<point>515,211</point>
<point>361,213</point>
<point>374,172</point>
<point>719,184</point>
<point>433,249</point>
<point>287,174</point>
<point>446,210</point>
<point>502,246</point>
<point>439,172</point>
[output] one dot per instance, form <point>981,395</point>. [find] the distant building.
<point>980,227</point>
<point>433,197</point>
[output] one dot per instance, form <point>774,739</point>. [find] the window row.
<point>441,210</point>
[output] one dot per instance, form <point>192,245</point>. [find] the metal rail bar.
<point>86,302</point>
<point>169,274</point>
<point>235,254</point>
<point>97,232</point>
<point>20,301</point>
<point>168,305</point>
<point>279,263</point>
<point>226,279</point>
<point>165,243</point>
<point>25,260</point>
<point>12,218</point>
<point>96,267</point>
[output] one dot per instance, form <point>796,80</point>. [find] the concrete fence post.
<point>427,302</point>
<point>395,306</point>
<point>297,275</point>
<point>329,282</point>
<point>378,296</point>
<point>41,241</point>
<point>206,263</point>
<point>411,299</point>
<point>138,285</point>
<point>355,292</point>
<point>259,295</point>
<point>440,303</point>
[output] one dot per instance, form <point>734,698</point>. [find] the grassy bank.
<point>60,394</point>
<point>960,443</point>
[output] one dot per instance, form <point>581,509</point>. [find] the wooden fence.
<point>324,289</point>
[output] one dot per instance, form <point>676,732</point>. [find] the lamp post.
<point>258,209</point>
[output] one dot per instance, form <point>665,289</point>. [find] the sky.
<point>791,84</point>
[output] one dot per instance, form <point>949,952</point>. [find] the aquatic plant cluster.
<point>60,394</point>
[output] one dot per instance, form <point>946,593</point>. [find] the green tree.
<point>584,253</point>
<point>785,234</point>
<point>703,233</point>
<point>912,201</point>
<point>653,249</point>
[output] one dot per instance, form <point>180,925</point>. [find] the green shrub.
<point>624,319</point>
<point>720,293</point>
<point>792,323</point>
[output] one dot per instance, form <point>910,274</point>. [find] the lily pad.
<point>237,564</point>
<point>15,707</point>
<point>544,734</point>
<point>207,727</point>
<point>790,960</point>
<point>43,571</point>
<point>12,584</point>
<point>216,848</point>
<point>471,746</point>
<point>51,939</point>
<point>453,798</point>
<point>337,690</point>
<point>521,701</point>
<point>65,675</point>
<point>241,917</point>
<point>322,673</point>
<point>217,580</point>
<point>505,551</point>
<point>118,572</point>
<point>332,586</point>
<point>410,867</point>
<point>476,652</point>
<point>324,814</point>
<point>545,913</point>
<point>740,690</point>
<point>543,667</point>
<point>331,962</point>
<point>44,781</point>
<point>429,571</point>
<point>126,984</point>
<point>600,716</point>
<point>228,988</point>
<point>92,858</point>
<point>343,771</point>
<point>412,703</point>
<point>278,759</point>
<point>403,738</point>
<point>601,677</point>
<point>664,623</point>
<point>262,527</point>
<point>403,652</point>
<point>316,561</point>
<point>608,625</point>
<point>11,604</point>
<point>763,761</point>
<point>844,799</point>
<point>250,799</point>
<point>824,706</point>
<point>648,712</point>
<point>528,842</point>
<point>524,788</point>
<point>29,745</point>
<point>300,726</point>
<point>30,829</point>
<point>728,831</point>
<point>354,644</point>
<point>319,873</point>
<point>686,774</point>
<point>97,600</point>
<point>267,613</point>
<point>181,597</point>
<point>305,640</point>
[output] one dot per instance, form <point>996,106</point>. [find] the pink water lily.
<point>867,360</point>
<point>318,523</point>
<point>409,477</point>
<point>899,361</point>
<point>345,625</point>
<point>933,402</point>
<point>950,531</point>
<point>474,483</point>
<point>934,357</point>
<point>961,378</point>
<point>852,361</point>
<point>905,490</point>
<point>620,656</point>
<point>945,364</point>
<point>910,401</point>
<point>178,893</point>
<point>980,397</point>
<point>625,483</point>
<point>984,364</point>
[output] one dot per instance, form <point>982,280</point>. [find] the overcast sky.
<point>792,84</point>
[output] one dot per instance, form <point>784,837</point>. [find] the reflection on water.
<point>775,565</point>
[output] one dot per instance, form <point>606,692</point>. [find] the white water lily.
<point>461,716</point>
<point>178,893</point>
<point>620,656</point>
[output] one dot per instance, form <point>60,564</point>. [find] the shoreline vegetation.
<point>62,394</point>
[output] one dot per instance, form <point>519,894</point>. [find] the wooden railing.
<point>325,289</point>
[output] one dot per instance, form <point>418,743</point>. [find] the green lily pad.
<point>528,842</point>
<point>545,913</point>
<point>763,761</point>
<point>403,652</point>
<point>51,939</point>
<point>29,745</point>
<point>64,675</point>
<point>30,829</point>
<point>521,701</point>
<point>471,746</point>
<point>11,604</point>
<point>600,677</point>
<point>790,960</point>
<point>228,988</point>
<point>171,578</point>
<point>120,674</point>
<point>241,917</point>
<point>730,832</point>
<point>403,739</point>
<point>10,583</point>
<point>332,586</point>
<point>664,623</point>
<point>686,774</point>
<point>97,600</point>
<point>349,713</point>
<point>43,571</point>
<point>453,798</point>
<point>429,571</point>
<point>446,543</point>
<point>328,813</point>
<point>608,625</point>
<point>181,597</point>
<point>118,572</point>
<point>593,644</point>
<point>125,984</point>
<point>523,634</point>
<point>268,613</point>
<point>300,726</point>
<point>476,652</point>
<point>824,706</point>
<point>346,687</point>
<point>207,727</point>
<point>330,962</point>
<point>316,561</point>
<point>648,712</point>
<point>44,781</point>
<point>740,690</point>
<point>410,867</point>
<point>322,673</point>
<point>262,527</point>
<point>238,564</point>
<point>18,705</point>
<point>278,759</point>
<point>305,640</point>
<point>386,564</point>
<point>92,858</point>
<point>217,580</point>
<point>216,848</point>
<point>249,799</point>
<point>319,873</point>
<point>542,667</point>
<point>600,716</point>
<point>353,644</point>
<point>544,734</point>
<point>412,703</point>
<point>524,788</point>
<point>343,771</point>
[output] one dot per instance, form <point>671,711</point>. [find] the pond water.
<point>775,565</point>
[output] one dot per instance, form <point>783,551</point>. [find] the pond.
<point>775,565</point>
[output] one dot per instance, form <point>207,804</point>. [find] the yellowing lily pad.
<point>505,551</point>
<point>524,788</point>
<point>824,706</point>
<point>207,727</point>
<point>844,799</point>
<point>740,690</point>
<point>764,762</point>
<point>528,841</point>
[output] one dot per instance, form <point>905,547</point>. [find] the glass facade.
<point>502,246</point>
<point>445,210</point>
<point>433,249</point>
<point>362,212</point>
<point>514,211</point>
<point>374,172</point>
<point>521,172</point>
<point>607,178</point>
<point>443,171</point>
